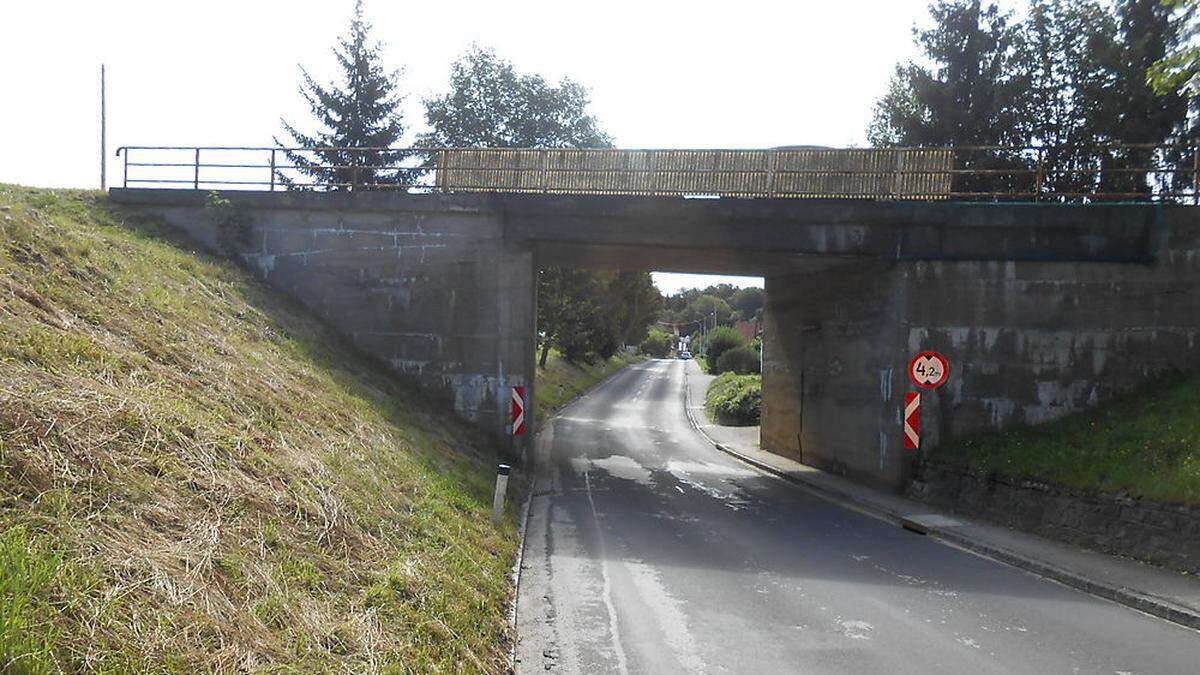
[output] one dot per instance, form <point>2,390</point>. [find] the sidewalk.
<point>1163,593</point>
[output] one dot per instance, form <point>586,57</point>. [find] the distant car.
<point>685,355</point>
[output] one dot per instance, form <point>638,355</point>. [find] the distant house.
<point>748,329</point>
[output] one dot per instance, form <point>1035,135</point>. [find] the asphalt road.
<point>650,551</point>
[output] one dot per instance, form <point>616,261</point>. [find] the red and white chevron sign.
<point>518,411</point>
<point>912,420</point>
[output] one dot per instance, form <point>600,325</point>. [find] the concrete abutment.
<point>430,288</point>
<point>1028,341</point>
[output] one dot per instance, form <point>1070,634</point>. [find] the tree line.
<point>1067,76</point>
<point>705,317</point>
<point>719,303</point>
<point>583,314</point>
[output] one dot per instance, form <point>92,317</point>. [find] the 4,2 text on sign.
<point>929,370</point>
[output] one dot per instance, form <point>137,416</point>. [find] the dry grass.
<point>561,381</point>
<point>194,476</point>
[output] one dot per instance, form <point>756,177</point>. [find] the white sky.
<point>221,72</point>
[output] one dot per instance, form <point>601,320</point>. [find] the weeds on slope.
<point>1145,443</point>
<point>196,476</point>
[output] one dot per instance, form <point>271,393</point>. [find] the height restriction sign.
<point>929,370</point>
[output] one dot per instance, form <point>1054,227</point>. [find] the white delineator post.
<point>498,499</point>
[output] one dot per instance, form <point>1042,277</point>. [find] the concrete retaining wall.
<point>831,385</point>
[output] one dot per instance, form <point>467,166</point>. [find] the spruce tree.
<point>970,96</point>
<point>1129,111</point>
<point>360,112</point>
<point>1071,78</point>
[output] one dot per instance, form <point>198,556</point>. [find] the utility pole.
<point>103,136</point>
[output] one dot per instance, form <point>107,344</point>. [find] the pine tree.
<point>1069,46</point>
<point>361,112</point>
<point>1069,78</point>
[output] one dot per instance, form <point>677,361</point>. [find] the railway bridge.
<point>1046,292</point>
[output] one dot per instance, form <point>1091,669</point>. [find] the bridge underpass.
<point>1041,308</point>
<point>647,550</point>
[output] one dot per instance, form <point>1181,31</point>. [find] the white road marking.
<point>622,661</point>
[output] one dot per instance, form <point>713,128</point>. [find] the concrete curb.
<point>1149,604</point>
<point>515,574</point>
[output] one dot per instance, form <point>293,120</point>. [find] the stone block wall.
<point>1155,532</point>
<point>831,383</point>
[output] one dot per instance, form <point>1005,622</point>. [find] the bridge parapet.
<point>1114,172</point>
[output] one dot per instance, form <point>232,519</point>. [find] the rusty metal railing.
<point>1142,172</point>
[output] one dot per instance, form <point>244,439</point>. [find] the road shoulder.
<point>1156,591</point>
<point>528,624</point>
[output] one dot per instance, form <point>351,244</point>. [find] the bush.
<point>735,399</point>
<point>234,234</point>
<point>719,341</point>
<point>740,360</point>
<point>657,343</point>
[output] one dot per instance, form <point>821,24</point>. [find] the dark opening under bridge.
<point>1044,303</point>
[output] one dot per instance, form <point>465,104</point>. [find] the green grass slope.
<point>561,381</point>
<point>1146,443</point>
<point>196,476</point>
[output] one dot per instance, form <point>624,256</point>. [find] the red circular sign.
<point>929,370</point>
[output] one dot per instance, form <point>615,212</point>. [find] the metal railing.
<point>1142,172</point>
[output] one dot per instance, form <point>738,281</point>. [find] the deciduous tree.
<point>584,314</point>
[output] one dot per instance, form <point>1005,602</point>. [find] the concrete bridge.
<point>1042,308</point>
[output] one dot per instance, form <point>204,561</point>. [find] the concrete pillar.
<point>832,388</point>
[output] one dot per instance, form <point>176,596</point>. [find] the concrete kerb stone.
<point>515,574</point>
<point>1131,598</point>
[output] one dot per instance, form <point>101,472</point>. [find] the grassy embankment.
<point>196,476</point>
<point>1146,443</point>
<point>561,381</point>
